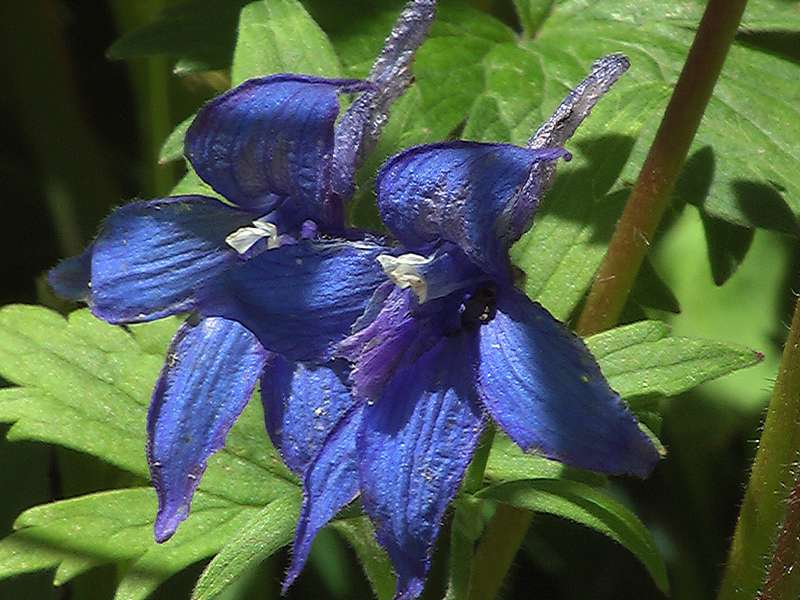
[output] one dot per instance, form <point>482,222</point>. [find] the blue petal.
<point>414,447</point>
<point>457,191</point>
<point>300,299</point>
<point>209,375</point>
<point>302,403</point>
<point>269,140</point>
<point>330,484</point>
<point>151,258</point>
<point>71,278</point>
<point>360,127</point>
<point>544,388</point>
<point>394,336</point>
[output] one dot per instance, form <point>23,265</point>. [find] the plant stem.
<point>765,501</point>
<point>652,191</point>
<point>783,576</point>
<point>497,549</point>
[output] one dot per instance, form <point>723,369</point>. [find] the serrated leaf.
<point>587,506</point>
<point>753,116</point>
<point>360,534</point>
<point>638,360</point>
<point>268,531</point>
<point>116,526</point>
<point>279,36</point>
<point>200,33</point>
<point>85,385</point>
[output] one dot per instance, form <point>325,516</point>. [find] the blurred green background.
<point>81,134</point>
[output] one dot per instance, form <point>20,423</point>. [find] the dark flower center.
<point>479,308</point>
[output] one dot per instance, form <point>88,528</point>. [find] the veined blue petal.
<point>457,191</point>
<point>414,446</point>
<point>302,403</point>
<point>71,278</point>
<point>330,484</point>
<point>394,337</point>
<point>544,388</point>
<point>209,375</point>
<point>300,299</point>
<point>269,140</point>
<point>151,258</point>
<point>360,127</point>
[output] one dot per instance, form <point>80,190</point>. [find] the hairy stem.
<point>651,193</point>
<point>765,502</point>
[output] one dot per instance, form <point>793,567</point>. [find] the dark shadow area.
<point>783,44</point>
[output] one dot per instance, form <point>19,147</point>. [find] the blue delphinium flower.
<point>273,148</point>
<point>448,342</point>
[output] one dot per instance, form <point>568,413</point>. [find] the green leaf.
<point>360,534</point>
<point>639,360</point>
<point>172,148</point>
<point>279,36</point>
<point>508,462</point>
<point>532,14</point>
<point>269,530</point>
<point>587,506</point>
<point>200,33</point>
<point>86,385</point>
<point>753,115</point>
<point>88,531</point>
<point>651,291</point>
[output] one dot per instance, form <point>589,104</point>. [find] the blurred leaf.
<point>636,362</point>
<point>269,530</point>
<point>587,506</point>
<point>86,385</point>
<point>201,33</point>
<point>651,291</point>
<point>745,310</point>
<point>532,14</point>
<point>172,148</point>
<point>360,534</point>
<point>279,36</point>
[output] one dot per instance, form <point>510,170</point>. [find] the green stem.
<point>652,191</point>
<point>783,576</point>
<point>774,474</point>
<point>497,549</point>
<point>467,524</point>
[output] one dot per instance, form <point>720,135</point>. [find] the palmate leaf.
<point>85,385</point>
<point>523,81</point>
<point>587,506</point>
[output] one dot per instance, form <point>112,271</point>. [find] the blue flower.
<point>274,149</point>
<point>447,342</point>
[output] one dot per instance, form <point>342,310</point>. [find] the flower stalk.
<point>653,189</point>
<point>766,532</point>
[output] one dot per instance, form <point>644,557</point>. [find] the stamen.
<point>245,238</point>
<point>403,270</point>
